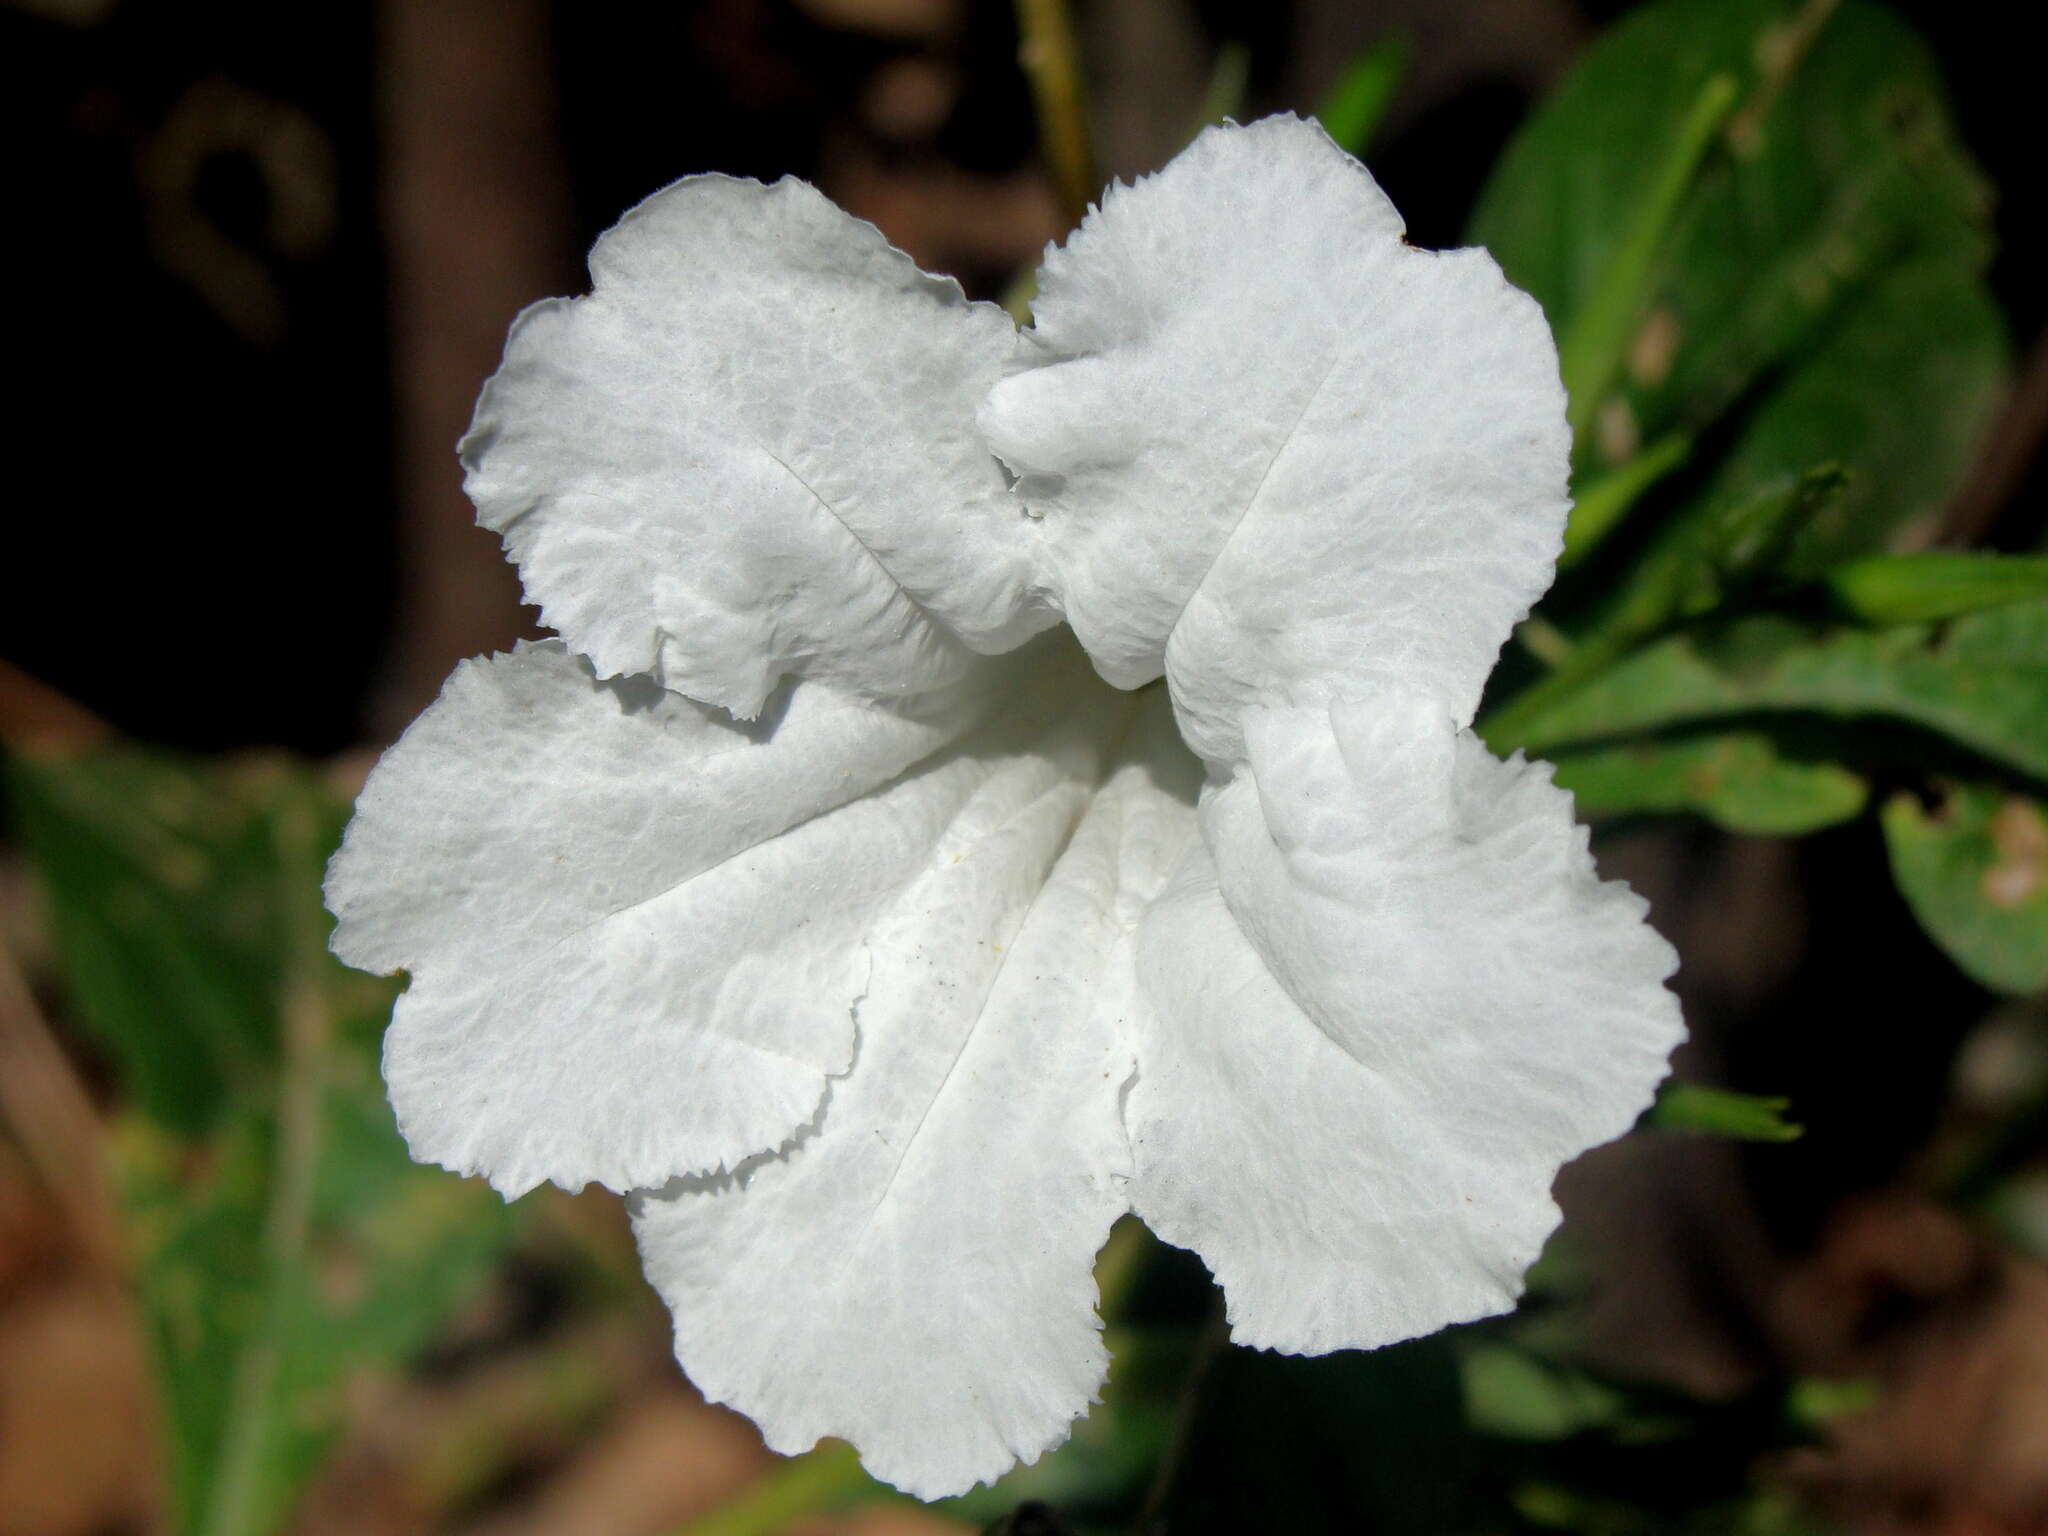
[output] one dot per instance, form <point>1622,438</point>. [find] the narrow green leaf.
<point>1979,680</point>
<point>1739,780</point>
<point>1699,562</point>
<point>1718,1112</point>
<point>1936,584</point>
<point>1592,347</point>
<point>1357,103</point>
<point>1975,872</point>
<point>1600,507</point>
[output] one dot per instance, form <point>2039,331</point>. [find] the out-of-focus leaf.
<point>158,882</point>
<point>1975,872</point>
<point>1708,1111</point>
<point>1360,98</point>
<point>1739,780</point>
<point>1710,556</point>
<point>1899,388</point>
<point>284,1241</point>
<point>1605,500</point>
<point>1981,681</point>
<point>1936,584</point>
<point>1838,162</point>
<point>1516,1395</point>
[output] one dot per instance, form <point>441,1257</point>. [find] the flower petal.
<point>635,928</point>
<point>913,1275</point>
<point>1386,1000</point>
<point>750,451</point>
<point>1281,454</point>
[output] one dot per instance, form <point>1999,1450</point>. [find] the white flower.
<point>811,890</point>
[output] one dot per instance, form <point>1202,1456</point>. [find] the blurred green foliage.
<point>284,1244</point>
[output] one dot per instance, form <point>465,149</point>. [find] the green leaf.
<point>1820,272</point>
<point>1516,1395</point>
<point>284,1242</point>
<point>156,876</point>
<point>1899,389</point>
<point>1838,162</point>
<point>1981,681</point>
<point>1975,872</point>
<point>1700,561</point>
<point>1937,584</point>
<point>1359,100</point>
<point>1719,1112</point>
<point>1740,780</point>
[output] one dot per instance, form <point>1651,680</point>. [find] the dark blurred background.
<point>262,257</point>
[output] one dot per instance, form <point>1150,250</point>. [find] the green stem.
<point>1600,507</point>
<point>231,1505</point>
<point>1052,64</point>
<point>1591,353</point>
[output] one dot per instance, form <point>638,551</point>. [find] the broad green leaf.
<point>1899,389</point>
<point>284,1242</point>
<point>1937,584</point>
<point>1740,780</point>
<point>1721,1112</point>
<point>1837,162</point>
<point>1974,869</point>
<point>1981,680</point>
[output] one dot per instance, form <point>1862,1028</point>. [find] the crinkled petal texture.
<point>1384,998</point>
<point>636,930</point>
<point>889,1002</point>
<point>1279,453</point>
<point>915,1273</point>
<point>750,452</point>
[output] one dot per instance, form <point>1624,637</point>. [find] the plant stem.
<point>1052,64</point>
<point>232,1499</point>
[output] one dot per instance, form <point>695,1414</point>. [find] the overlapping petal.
<point>750,452</point>
<point>1280,454</point>
<point>914,1274</point>
<point>888,1002</point>
<point>635,929</point>
<point>1385,998</point>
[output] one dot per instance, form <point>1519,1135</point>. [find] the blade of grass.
<point>1052,65</point>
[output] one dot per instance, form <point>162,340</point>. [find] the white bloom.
<point>809,890</point>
